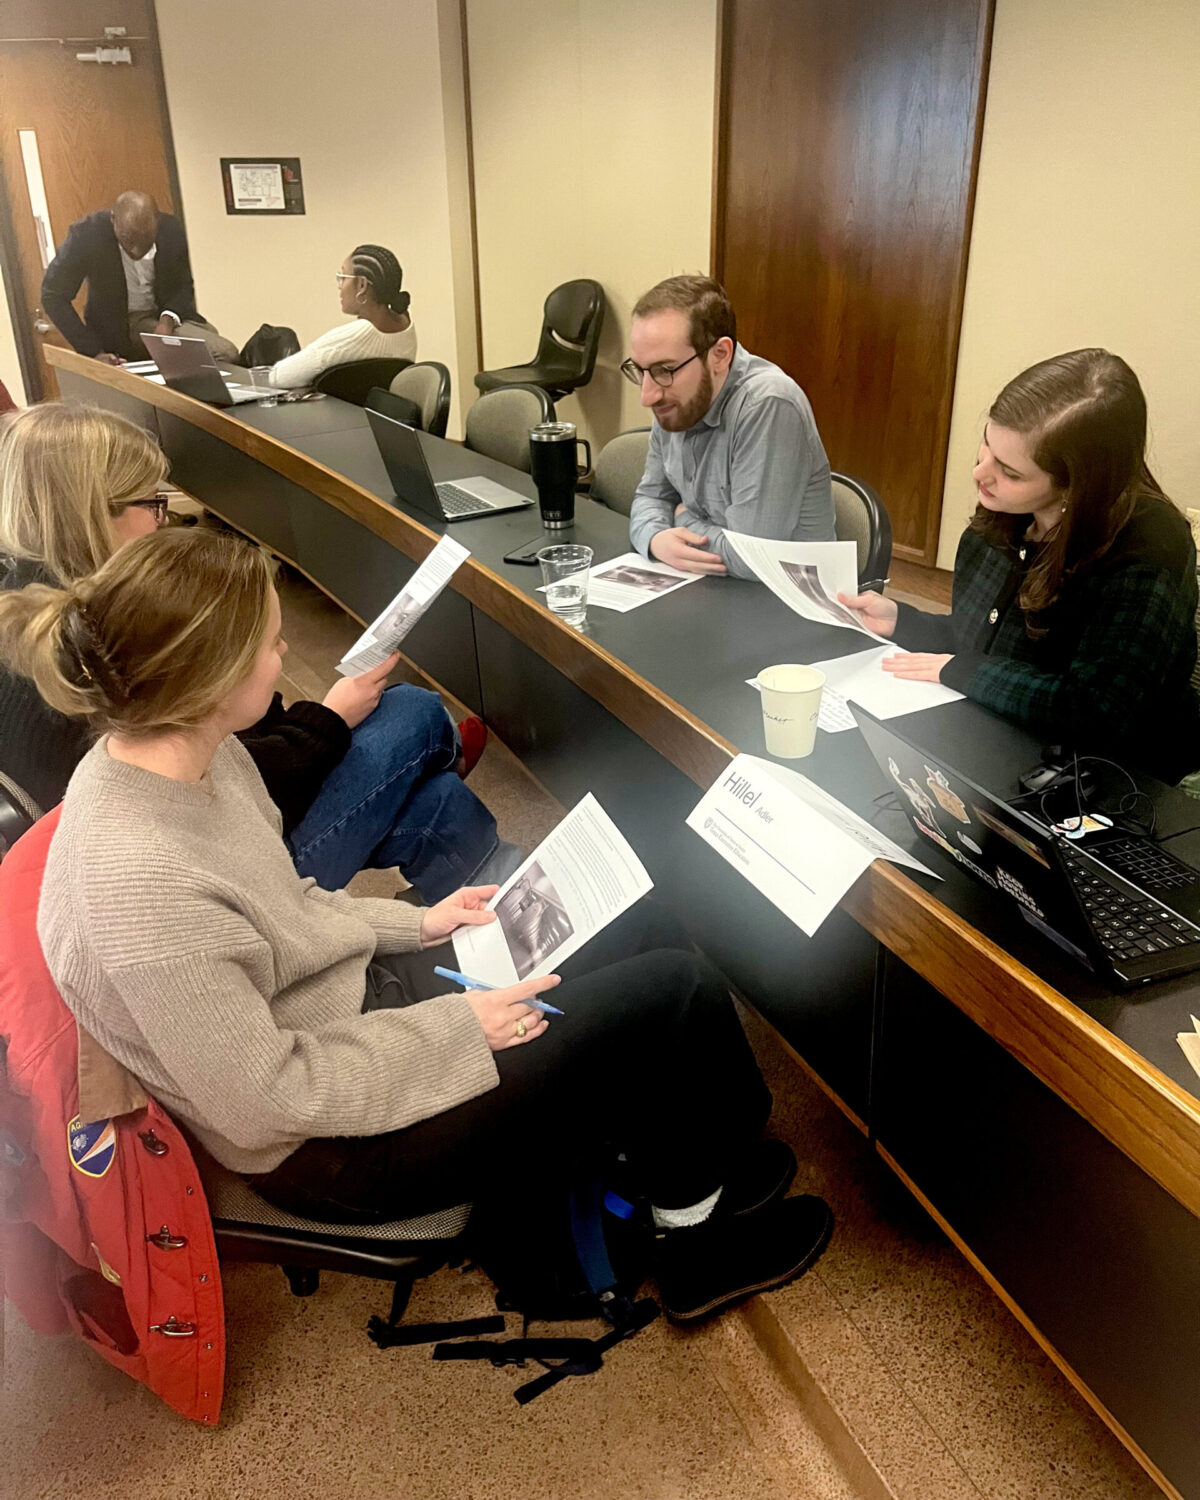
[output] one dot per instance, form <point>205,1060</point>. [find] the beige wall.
<point>356,92</point>
<point>592,125</point>
<point>1087,219</point>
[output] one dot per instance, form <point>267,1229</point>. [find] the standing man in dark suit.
<point>135,262</point>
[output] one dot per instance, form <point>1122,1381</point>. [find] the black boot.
<point>710,1267</point>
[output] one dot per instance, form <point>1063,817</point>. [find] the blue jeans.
<point>396,800</point>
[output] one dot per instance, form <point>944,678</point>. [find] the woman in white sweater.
<point>369,292</point>
<point>301,1034</point>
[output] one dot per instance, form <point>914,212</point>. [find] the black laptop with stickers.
<point>1122,931</point>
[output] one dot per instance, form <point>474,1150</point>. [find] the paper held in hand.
<point>806,576</point>
<point>384,635</point>
<point>573,884</point>
<point>797,845</point>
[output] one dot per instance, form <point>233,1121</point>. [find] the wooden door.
<point>100,128</point>
<point>847,146</point>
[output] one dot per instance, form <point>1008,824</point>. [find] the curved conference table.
<point>1049,1125</point>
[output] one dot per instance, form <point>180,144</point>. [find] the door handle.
<point>41,323</point>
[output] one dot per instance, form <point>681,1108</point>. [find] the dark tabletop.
<point>700,644</point>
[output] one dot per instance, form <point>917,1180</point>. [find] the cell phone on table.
<point>526,553</point>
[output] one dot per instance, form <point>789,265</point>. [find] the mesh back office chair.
<point>248,1228</point>
<point>18,813</point>
<point>499,423</point>
<point>566,354</point>
<point>428,385</point>
<point>620,465</point>
<point>354,381</point>
<point>860,517</point>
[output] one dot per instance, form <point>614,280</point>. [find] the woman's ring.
<point>521,1028</point>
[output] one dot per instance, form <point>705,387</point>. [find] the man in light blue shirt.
<point>734,445</point>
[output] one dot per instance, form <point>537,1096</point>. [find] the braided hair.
<point>382,272</point>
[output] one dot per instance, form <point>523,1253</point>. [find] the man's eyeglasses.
<point>155,504</point>
<point>661,374</point>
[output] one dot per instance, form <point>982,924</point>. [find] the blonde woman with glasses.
<point>367,778</point>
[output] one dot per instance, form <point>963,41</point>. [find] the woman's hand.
<point>916,666</point>
<point>465,908</point>
<point>357,698</point>
<point>875,612</point>
<point>506,1019</point>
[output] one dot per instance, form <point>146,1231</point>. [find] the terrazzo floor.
<point>892,1369</point>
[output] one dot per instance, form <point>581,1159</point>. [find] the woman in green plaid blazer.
<point>1075,582</point>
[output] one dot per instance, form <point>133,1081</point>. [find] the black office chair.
<point>428,385</point>
<point>18,813</point>
<point>860,517</point>
<point>354,381</point>
<point>620,465</point>
<point>399,408</point>
<point>566,354</point>
<point>248,1228</point>
<point>500,422</point>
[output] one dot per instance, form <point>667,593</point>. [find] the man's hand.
<point>465,908</point>
<point>165,325</point>
<point>108,359</point>
<point>356,698</point>
<point>680,548</point>
<point>916,666</point>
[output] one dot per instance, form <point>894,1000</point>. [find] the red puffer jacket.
<point>104,1227</point>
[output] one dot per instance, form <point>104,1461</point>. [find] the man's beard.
<point>687,416</point>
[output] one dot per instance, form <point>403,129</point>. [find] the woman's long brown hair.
<point>1083,416</point>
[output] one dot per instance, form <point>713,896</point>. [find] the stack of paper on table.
<point>1190,1042</point>
<point>631,580</point>
<point>797,845</point>
<point>860,679</point>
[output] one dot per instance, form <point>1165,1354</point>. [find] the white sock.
<point>684,1218</point>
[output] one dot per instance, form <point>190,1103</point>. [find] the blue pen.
<point>478,984</point>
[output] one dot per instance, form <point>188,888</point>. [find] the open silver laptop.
<point>452,500</point>
<point>188,365</point>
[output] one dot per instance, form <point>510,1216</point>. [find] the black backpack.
<point>268,346</point>
<point>574,1253</point>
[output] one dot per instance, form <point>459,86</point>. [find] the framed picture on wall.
<point>262,184</point>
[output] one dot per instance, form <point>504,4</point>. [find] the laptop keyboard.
<point>1128,926</point>
<point>1139,861</point>
<point>456,502</point>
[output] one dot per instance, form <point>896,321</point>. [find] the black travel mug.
<point>552,463</point>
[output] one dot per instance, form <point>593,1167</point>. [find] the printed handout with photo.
<point>385,634</point>
<point>534,920</point>
<point>807,580</point>
<point>581,876</point>
<point>401,616</point>
<point>640,578</point>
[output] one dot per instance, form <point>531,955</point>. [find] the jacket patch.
<point>92,1147</point>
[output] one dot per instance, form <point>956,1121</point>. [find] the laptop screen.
<point>997,845</point>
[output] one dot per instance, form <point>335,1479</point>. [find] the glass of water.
<point>565,576</point>
<point>260,378</point>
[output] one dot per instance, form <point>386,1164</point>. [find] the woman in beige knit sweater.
<point>298,1032</point>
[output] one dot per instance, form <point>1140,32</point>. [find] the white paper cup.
<point>791,701</point>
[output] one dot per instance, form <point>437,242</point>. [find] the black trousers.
<point>650,1060</point>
